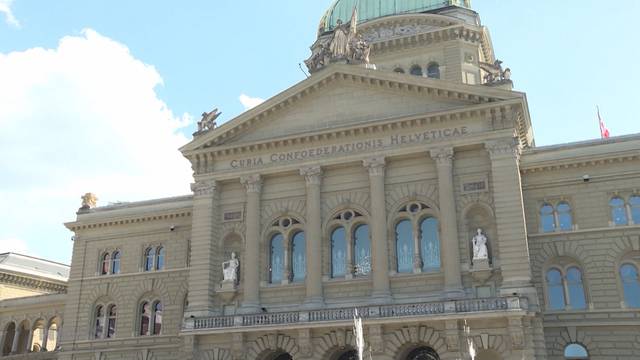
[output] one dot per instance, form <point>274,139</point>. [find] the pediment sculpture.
<point>89,201</point>
<point>208,121</point>
<point>496,75</point>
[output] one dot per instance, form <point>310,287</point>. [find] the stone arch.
<point>7,337</point>
<point>496,343</point>
<point>277,208</point>
<point>344,200</point>
<point>425,192</point>
<point>112,292</point>
<point>333,212</point>
<point>24,328</point>
<point>403,340</point>
<point>571,335</point>
<point>214,354</point>
<point>549,251</point>
<point>272,342</point>
<point>156,287</point>
<point>335,341</point>
<point>479,215</point>
<point>236,227</point>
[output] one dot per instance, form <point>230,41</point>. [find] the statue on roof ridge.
<point>208,121</point>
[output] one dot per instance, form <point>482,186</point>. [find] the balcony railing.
<point>367,312</point>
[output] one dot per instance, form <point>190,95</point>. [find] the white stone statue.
<point>230,269</point>
<point>480,251</point>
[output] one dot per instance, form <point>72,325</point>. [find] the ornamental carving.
<point>89,201</point>
<point>313,175</point>
<point>495,74</point>
<point>208,122</point>
<point>375,165</point>
<point>253,183</point>
<point>503,147</point>
<point>443,156</point>
<point>396,31</point>
<point>204,187</point>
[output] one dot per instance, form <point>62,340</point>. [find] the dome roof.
<point>373,9</point>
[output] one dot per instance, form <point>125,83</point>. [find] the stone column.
<point>45,337</point>
<point>204,231</point>
<point>379,248</point>
<point>251,288</point>
<point>16,338</point>
<point>448,223</point>
<point>313,237</point>
<point>510,220</point>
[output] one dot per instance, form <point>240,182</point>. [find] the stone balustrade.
<point>366,312</point>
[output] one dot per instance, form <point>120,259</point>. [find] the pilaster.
<point>251,300</point>
<point>313,236</point>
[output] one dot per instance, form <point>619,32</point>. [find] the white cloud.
<point>15,246</point>
<point>5,8</point>
<point>250,102</point>
<point>83,117</point>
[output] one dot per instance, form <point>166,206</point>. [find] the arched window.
<point>630,285</point>
<point>362,250</point>
<point>404,246</point>
<point>157,318</point>
<point>99,322</point>
<point>555,290</point>
<point>276,268</point>
<point>575,352</point>
<point>298,257</point>
<point>416,70</point>
<point>111,322</point>
<point>37,337</point>
<point>423,353</point>
<point>149,254</point>
<point>145,318</point>
<point>115,263</point>
<point>160,258</point>
<point>634,204</point>
<point>430,244</point>
<point>575,289</point>
<point>9,334</point>
<point>565,220</point>
<point>433,71</point>
<point>338,252</point>
<point>52,337</point>
<point>104,267</point>
<point>547,219</point>
<point>398,70</point>
<point>618,211</point>
<point>348,355</point>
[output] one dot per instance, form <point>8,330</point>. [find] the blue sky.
<point>98,95</point>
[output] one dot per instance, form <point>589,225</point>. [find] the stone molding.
<point>503,148</point>
<point>23,281</point>
<point>252,183</point>
<point>312,175</point>
<point>443,156</point>
<point>204,187</point>
<point>375,165</point>
<point>128,221</point>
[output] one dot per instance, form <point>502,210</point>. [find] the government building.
<point>399,181</point>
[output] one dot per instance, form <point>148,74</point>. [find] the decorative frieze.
<point>503,147</point>
<point>253,183</point>
<point>204,187</point>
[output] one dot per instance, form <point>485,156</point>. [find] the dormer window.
<point>433,71</point>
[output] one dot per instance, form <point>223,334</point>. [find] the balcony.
<point>374,313</point>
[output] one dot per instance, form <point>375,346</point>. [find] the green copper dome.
<point>373,9</point>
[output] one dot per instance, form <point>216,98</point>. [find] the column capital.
<point>375,165</point>
<point>442,156</point>
<point>503,147</point>
<point>312,174</point>
<point>253,183</point>
<point>204,187</point>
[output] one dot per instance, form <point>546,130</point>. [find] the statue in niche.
<point>230,269</point>
<point>480,251</point>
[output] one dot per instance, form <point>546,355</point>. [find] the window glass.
<point>634,202</point>
<point>546,218</point>
<point>416,70</point>
<point>362,248</point>
<point>404,246</point>
<point>115,263</point>
<point>564,216</point>
<point>148,259</point>
<point>433,71</point>
<point>277,259</point>
<point>575,288</point>
<point>618,211</point>
<point>298,257</point>
<point>111,327</point>
<point>399,70</point>
<point>157,318</point>
<point>631,285</point>
<point>555,290</point>
<point>575,352</point>
<point>99,322</point>
<point>160,258</point>
<point>104,269</point>
<point>430,244</point>
<point>338,253</point>
<point>145,318</point>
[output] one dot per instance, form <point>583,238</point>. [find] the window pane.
<point>338,253</point>
<point>157,318</point>
<point>433,71</point>
<point>362,250</point>
<point>430,244</point>
<point>111,328</point>
<point>277,259</point>
<point>575,351</point>
<point>299,257</point>
<point>160,258</point>
<point>145,315</point>
<point>564,216</point>
<point>631,285</point>
<point>105,264</point>
<point>546,218</point>
<point>148,262</point>
<point>634,201</point>
<point>576,289</point>
<point>416,70</point>
<point>404,246</point>
<point>618,212</point>
<point>115,263</point>
<point>555,290</point>
<point>99,322</point>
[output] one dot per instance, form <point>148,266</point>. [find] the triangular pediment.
<point>342,96</point>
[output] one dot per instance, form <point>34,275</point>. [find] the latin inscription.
<point>350,148</point>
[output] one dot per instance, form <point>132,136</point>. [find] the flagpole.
<point>599,121</point>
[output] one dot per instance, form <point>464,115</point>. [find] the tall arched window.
<point>362,250</point>
<point>416,70</point>
<point>338,252</point>
<point>276,268</point>
<point>149,254</point>
<point>160,258</point>
<point>575,352</point>
<point>634,204</point>
<point>404,246</point>
<point>9,334</point>
<point>618,211</point>
<point>298,257</point>
<point>555,290</point>
<point>575,289</point>
<point>430,244</point>
<point>111,321</point>
<point>157,318</point>
<point>99,322</point>
<point>115,263</point>
<point>565,219</point>
<point>423,353</point>
<point>630,285</point>
<point>547,220</point>
<point>555,218</point>
<point>145,318</point>
<point>433,71</point>
<point>104,267</point>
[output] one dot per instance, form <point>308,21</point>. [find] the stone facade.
<point>387,176</point>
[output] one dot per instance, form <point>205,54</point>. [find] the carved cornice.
<point>503,148</point>
<point>204,187</point>
<point>375,165</point>
<point>127,221</point>
<point>576,163</point>
<point>443,156</point>
<point>312,174</point>
<point>31,283</point>
<point>459,32</point>
<point>253,183</point>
